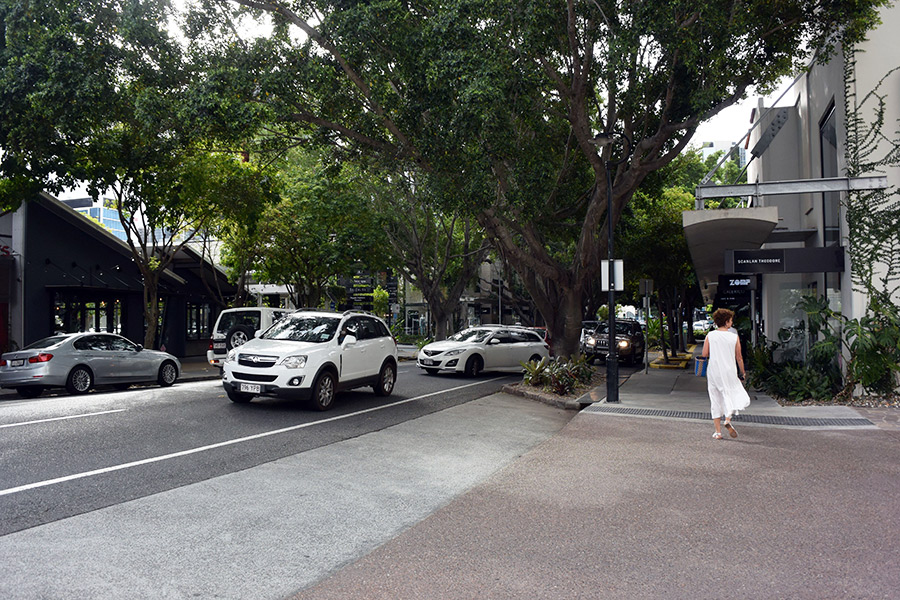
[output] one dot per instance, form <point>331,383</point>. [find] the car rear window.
<point>250,318</point>
<point>46,342</point>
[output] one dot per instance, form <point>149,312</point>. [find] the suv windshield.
<point>471,335</point>
<point>303,328</point>
<point>621,328</point>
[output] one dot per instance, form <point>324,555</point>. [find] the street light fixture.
<point>602,140</point>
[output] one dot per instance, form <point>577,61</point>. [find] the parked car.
<point>485,348</point>
<point>705,325</point>
<point>311,355</point>
<point>234,326</point>
<point>630,342</point>
<point>545,335</point>
<point>80,361</point>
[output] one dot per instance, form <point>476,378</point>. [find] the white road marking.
<point>94,414</point>
<point>164,457</point>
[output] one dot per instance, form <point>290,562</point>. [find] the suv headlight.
<point>624,344</point>
<point>591,341</point>
<point>293,362</point>
<point>232,354</point>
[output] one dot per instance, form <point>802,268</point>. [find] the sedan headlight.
<point>453,352</point>
<point>293,362</point>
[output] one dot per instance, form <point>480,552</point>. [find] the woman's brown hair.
<point>721,316</point>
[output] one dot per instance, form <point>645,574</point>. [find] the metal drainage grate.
<point>705,416</point>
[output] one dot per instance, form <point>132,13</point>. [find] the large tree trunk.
<point>151,307</point>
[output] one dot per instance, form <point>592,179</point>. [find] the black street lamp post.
<point>612,351</point>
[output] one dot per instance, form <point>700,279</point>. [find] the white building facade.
<point>789,245</point>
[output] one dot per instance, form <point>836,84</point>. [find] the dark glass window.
<point>831,201</point>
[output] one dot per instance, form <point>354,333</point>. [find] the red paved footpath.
<point>628,507</point>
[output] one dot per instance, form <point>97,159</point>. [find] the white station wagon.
<point>485,348</point>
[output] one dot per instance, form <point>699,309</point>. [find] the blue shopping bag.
<point>700,364</point>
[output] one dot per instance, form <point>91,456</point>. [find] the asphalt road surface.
<point>178,492</point>
<point>67,455</point>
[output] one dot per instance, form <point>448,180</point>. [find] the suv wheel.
<point>237,336</point>
<point>386,379</point>
<point>323,391</point>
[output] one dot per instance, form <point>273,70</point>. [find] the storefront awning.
<point>710,233</point>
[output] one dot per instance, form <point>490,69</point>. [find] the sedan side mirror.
<point>494,341</point>
<point>139,347</point>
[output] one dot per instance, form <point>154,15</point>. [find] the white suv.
<point>310,355</point>
<point>235,326</point>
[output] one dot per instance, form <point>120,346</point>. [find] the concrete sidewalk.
<point>679,394</point>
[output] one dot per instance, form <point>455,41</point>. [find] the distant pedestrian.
<point>726,392</point>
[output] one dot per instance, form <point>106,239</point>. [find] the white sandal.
<point>717,436</point>
<point>731,430</point>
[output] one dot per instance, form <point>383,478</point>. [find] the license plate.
<point>17,363</point>
<point>251,388</point>
<point>427,361</point>
<point>218,345</point>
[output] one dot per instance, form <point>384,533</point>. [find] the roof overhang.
<point>710,233</point>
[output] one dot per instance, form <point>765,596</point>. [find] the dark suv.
<point>629,339</point>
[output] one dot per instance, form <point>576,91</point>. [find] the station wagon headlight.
<point>293,362</point>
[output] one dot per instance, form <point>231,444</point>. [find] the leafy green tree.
<point>500,101</point>
<point>321,228</point>
<point>438,251</point>
<point>231,236</point>
<point>98,91</point>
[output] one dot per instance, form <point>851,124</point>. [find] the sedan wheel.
<point>323,392</point>
<point>80,380</point>
<point>386,380</point>
<point>474,366</point>
<point>168,373</point>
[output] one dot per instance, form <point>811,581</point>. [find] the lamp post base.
<point>612,379</point>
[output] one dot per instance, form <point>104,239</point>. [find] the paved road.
<point>278,526</point>
<point>72,454</point>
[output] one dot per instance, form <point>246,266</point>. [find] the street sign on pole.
<point>645,287</point>
<point>619,274</point>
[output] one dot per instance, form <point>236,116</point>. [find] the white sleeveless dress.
<point>726,392</point>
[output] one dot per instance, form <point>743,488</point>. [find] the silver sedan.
<point>80,361</point>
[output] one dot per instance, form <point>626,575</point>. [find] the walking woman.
<point>726,392</point>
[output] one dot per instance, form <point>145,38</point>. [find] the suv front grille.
<point>255,377</point>
<point>256,360</point>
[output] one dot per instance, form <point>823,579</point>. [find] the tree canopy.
<point>499,102</point>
